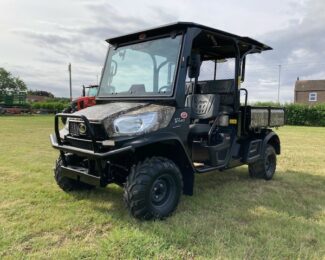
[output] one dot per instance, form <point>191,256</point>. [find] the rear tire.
<point>65,183</point>
<point>153,188</point>
<point>265,167</point>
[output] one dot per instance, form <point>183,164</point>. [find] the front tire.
<point>265,167</point>
<point>153,188</point>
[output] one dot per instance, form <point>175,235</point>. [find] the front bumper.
<point>87,153</point>
<point>80,173</point>
<point>92,154</point>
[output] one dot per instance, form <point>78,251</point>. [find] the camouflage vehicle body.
<point>156,124</point>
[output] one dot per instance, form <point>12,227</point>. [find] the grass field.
<point>230,216</point>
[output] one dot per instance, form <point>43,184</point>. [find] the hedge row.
<point>51,105</point>
<point>299,114</point>
<point>305,115</point>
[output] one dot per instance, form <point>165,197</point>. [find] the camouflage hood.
<point>102,112</point>
<point>107,113</point>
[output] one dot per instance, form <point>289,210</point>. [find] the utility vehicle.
<point>86,100</point>
<point>14,102</point>
<point>162,115</point>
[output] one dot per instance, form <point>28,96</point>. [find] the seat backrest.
<point>203,106</point>
<point>224,86</point>
<point>137,89</point>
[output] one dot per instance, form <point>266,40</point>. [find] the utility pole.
<point>279,84</point>
<point>70,81</point>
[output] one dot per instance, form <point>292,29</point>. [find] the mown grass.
<point>230,216</point>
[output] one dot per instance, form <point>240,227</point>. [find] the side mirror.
<point>194,65</point>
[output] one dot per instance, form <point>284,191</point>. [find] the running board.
<point>201,168</point>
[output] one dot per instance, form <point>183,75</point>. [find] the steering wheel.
<point>167,87</point>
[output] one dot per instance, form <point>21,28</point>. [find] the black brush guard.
<point>78,173</point>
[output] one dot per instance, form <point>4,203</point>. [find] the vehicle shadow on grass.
<point>107,200</point>
<point>291,192</point>
<point>231,203</point>
<point>294,193</point>
<point>113,194</point>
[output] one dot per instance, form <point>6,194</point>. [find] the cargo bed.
<point>262,117</point>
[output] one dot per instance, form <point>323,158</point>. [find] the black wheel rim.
<point>163,189</point>
<point>270,162</point>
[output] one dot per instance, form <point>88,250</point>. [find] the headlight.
<point>65,130</point>
<point>66,126</point>
<point>136,124</point>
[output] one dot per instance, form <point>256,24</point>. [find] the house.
<point>310,91</point>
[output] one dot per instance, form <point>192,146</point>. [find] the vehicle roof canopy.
<point>211,43</point>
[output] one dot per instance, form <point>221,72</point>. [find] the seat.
<point>224,88</point>
<point>137,89</point>
<point>203,107</point>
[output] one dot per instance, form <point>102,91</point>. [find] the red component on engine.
<point>87,99</point>
<point>83,102</point>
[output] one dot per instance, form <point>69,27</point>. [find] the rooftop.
<point>222,37</point>
<point>308,85</point>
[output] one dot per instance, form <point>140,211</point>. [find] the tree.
<point>40,93</point>
<point>19,84</point>
<point>6,81</point>
<point>10,83</point>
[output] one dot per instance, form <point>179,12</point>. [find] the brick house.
<point>310,91</point>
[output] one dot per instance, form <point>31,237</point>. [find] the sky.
<point>38,38</point>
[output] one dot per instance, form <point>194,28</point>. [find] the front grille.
<point>76,127</point>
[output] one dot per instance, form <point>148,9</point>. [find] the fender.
<point>156,144</point>
<point>161,137</point>
<point>273,139</point>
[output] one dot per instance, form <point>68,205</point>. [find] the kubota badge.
<point>184,115</point>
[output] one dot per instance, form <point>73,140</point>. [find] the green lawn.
<point>230,215</point>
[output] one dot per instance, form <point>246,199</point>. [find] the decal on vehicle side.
<point>184,115</point>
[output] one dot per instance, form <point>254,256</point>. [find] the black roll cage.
<point>242,47</point>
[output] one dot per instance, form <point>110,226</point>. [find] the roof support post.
<point>237,76</point>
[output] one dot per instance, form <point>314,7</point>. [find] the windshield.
<point>141,69</point>
<point>91,91</point>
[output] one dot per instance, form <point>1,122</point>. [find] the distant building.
<point>310,91</point>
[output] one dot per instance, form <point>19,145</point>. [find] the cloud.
<point>83,45</point>
<point>298,48</point>
<point>41,37</point>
